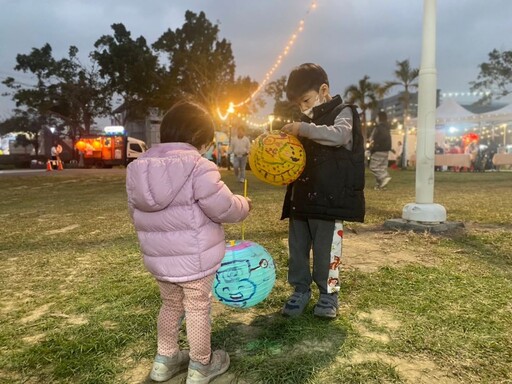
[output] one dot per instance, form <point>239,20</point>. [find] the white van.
<point>134,149</point>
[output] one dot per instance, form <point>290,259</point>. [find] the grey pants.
<point>379,166</point>
<point>239,164</point>
<point>325,238</point>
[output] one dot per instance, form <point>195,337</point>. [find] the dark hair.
<point>304,78</point>
<point>187,122</point>
<point>383,117</point>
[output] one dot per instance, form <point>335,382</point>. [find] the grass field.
<point>77,305</point>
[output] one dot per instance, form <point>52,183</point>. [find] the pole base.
<point>405,225</point>
<point>424,213</point>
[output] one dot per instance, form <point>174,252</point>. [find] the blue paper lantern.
<point>246,275</point>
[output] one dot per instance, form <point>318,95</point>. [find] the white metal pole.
<point>427,108</point>
<point>424,210</point>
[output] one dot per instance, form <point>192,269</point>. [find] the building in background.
<point>146,129</point>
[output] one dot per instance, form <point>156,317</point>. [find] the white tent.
<point>449,111</point>
<point>502,114</point>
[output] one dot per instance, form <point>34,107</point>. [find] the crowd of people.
<point>480,155</point>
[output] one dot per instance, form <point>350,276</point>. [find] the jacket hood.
<point>155,178</point>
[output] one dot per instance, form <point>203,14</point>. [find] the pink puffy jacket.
<point>177,202</point>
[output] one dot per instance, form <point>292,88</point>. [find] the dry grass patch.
<point>413,370</point>
<point>36,314</point>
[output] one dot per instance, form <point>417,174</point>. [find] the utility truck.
<point>110,148</point>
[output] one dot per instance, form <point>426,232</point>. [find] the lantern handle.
<point>243,222</point>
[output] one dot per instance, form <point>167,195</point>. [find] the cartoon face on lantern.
<point>234,284</point>
<point>277,158</point>
<point>246,275</point>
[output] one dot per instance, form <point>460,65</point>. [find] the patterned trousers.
<point>325,238</point>
<point>192,301</point>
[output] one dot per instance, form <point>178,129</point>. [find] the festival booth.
<point>451,115</point>
<point>501,116</point>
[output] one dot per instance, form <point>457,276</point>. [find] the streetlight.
<point>270,120</point>
<point>231,108</point>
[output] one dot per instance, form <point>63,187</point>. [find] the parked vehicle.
<point>109,149</point>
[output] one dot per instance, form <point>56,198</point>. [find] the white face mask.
<point>309,112</point>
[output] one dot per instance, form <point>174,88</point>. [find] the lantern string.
<point>277,63</point>
<point>281,57</point>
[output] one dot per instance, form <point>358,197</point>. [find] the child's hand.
<point>249,201</point>
<point>292,129</point>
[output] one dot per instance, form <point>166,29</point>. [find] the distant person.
<point>329,190</point>
<point>55,152</point>
<point>178,203</point>
<point>455,149</point>
<point>438,150</point>
<point>399,153</point>
<point>240,146</point>
<point>492,150</point>
<point>380,145</point>
<point>472,151</point>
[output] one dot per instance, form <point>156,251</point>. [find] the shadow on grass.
<point>270,349</point>
<point>275,349</point>
<point>493,247</point>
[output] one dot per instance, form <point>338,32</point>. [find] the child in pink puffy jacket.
<point>178,203</point>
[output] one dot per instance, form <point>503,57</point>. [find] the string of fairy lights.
<point>465,94</point>
<point>277,63</point>
<point>485,132</point>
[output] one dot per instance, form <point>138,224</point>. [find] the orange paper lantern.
<point>277,158</point>
<point>470,137</point>
<point>80,145</point>
<point>96,145</point>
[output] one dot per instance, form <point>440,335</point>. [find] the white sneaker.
<point>385,182</point>
<point>165,367</point>
<point>203,374</point>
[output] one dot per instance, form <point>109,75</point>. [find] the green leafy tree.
<point>364,94</point>
<point>65,88</point>
<point>495,76</point>
<point>130,69</point>
<point>240,92</point>
<point>201,66</point>
<point>406,78</point>
<point>283,110</point>
<point>277,89</point>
